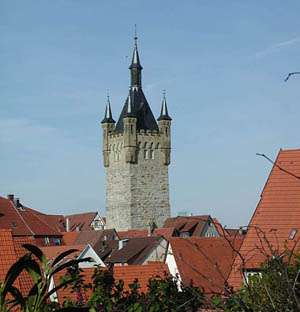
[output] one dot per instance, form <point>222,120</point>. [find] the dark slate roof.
<point>164,111</point>
<point>108,115</point>
<point>135,250</point>
<point>142,111</point>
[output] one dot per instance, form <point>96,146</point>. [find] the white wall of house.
<point>88,251</point>
<point>98,223</point>
<point>157,253</point>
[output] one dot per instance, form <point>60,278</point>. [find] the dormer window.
<point>14,224</point>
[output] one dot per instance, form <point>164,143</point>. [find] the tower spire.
<point>136,67</point>
<point>108,115</point>
<point>129,108</point>
<point>164,110</point>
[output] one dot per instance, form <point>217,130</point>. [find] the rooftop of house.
<point>165,232</point>
<point>193,224</point>
<point>132,233</point>
<point>22,221</point>
<point>126,273</point>
<point>277,215</point>
<point>81,221</point>
<point>51,252</point>
<point>204,261</point>
<point>92,237</point>
<point>134,250</point>
<point>69,237</point>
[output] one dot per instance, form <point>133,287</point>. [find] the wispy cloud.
<point>277,47</point>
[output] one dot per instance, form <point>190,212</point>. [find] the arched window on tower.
<point>151,152</point>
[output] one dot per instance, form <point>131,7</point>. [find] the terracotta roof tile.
<point>197,257</point>
<point>52,252</point>
<point>22,221</point>
<point>132,233</point>
<point>26,282</point>
<point>126,273</point>
<point>81,220</point>
<point>187,223</point>
<point>165,232</point>
<point>277,213</point>
<point>69,237</point>
<point>93,237</point>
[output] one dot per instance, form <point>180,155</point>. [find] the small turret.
<point>108,125</point>
<point>164,124</point>
<point>129,122</point>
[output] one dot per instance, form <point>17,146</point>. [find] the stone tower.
<point>136,153</point>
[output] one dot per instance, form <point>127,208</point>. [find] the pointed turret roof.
<point>129,109</point>
<point>164,110</point>
<point>135,57</point>
<point>108,116</point>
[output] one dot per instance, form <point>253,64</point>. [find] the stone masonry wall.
<point>137,193</point>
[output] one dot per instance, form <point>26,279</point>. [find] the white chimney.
<point>68,224</point>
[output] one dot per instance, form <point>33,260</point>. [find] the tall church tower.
<point>136,153</point>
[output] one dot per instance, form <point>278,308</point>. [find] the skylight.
<point>293,232</point>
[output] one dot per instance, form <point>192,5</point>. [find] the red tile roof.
<point>7,252</point>
<point>10,216</point>
<point>132,233</point>
<point>219,227</point>
<point>93,237</point>
<point>126,273</point>
<point>23,222</point>
<point>26,282</point>
<point>52,252</point>
<point>81,220</point>
<point>69,237</point>
<point>197,258</point>
<point>165,232</point>
<point>187,223</point>
<point>56,222</point>
<point>276,215</point>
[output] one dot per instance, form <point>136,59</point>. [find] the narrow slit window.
<point>145,154</point>
<point>151,154</point>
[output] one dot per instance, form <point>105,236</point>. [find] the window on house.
<point>78,228</point>
<point>151,154</point>
<point>47,241</point>
<point>56,241</point>
<point>14,224</point>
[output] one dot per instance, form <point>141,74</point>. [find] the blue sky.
<point>222,63</point>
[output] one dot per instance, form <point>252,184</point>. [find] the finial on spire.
<point>135,36</point>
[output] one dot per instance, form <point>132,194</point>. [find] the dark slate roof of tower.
<point>135,57</point>
<point>141,110</point>
<point>108,116</point>
<point>164,110</point>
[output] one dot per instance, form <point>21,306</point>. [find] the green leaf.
<point>69,264</point>
<point>62,255</point>
<point>34,270</point>
<point>19,300</point>
<point>55,289</point>
<point>38,253</point>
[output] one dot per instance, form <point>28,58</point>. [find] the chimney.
<point>241,230</point>
<point>11,197</point>
<point>68,224</point>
